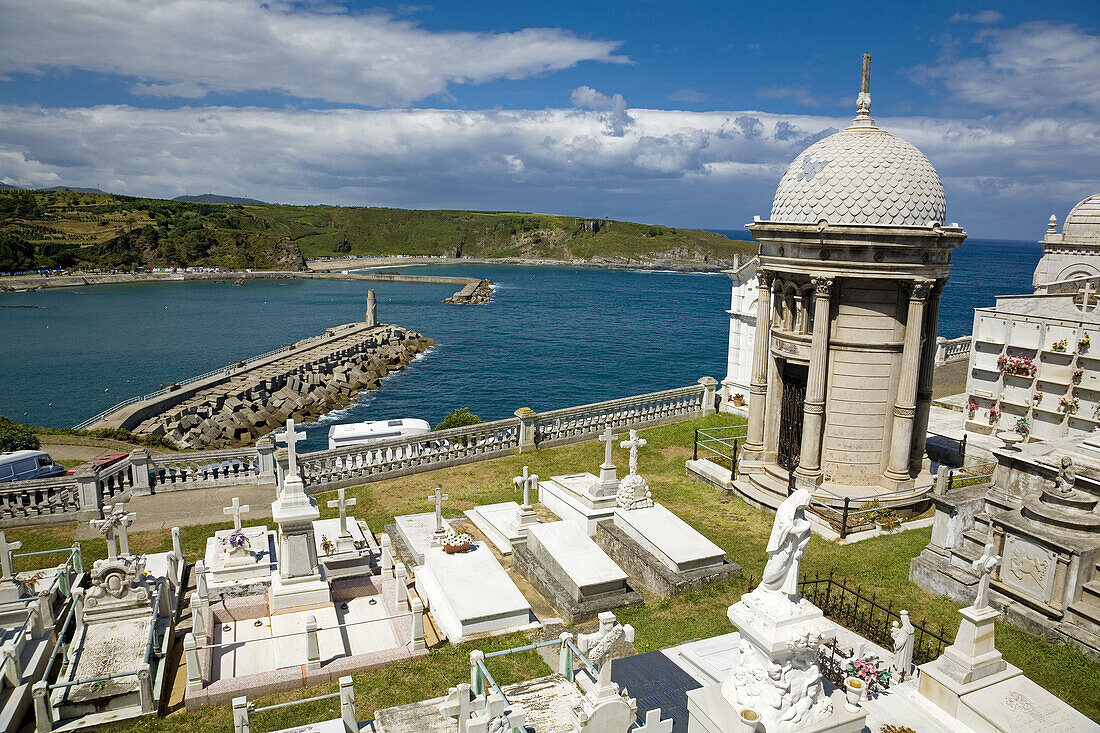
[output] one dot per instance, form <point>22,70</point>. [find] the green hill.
<point>70,229</point>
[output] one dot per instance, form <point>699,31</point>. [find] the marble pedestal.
<point>296,594</point>
<point>349,557</point>
<point>579,498</point>
<point>970,664</point>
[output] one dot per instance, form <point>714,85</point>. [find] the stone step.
<point>1085,615</point>
<point>1090,593</point>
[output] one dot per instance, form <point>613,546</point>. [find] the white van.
<point>23,465</point>
<point>365,433</point>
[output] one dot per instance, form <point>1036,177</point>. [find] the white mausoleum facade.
<point>853,260</point>
<point>1075,253</point>
<point>742,315</point>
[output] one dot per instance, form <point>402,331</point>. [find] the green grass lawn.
<point>880,566</point>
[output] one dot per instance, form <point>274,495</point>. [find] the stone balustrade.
<point>81,496</point>
<point>951,350</point>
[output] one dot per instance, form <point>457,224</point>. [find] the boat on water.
<point>373,431</point>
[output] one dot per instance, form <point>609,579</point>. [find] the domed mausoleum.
<point>1075,252</point>
<point>854,255</point>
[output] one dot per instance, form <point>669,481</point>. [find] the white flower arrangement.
<point>456,539</point>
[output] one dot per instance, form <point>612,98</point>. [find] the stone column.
<point>313,646</point>
<point>901,437</point>
<point>139,471</point>
<point>758,387</point>
<point>265,446</point>
<point>43,715</point>
<point>528,422</point>
<point>710,388</point>
<point>927,370</point>
<point>813,411</point>
<point>418,641</point>
<point>88,488</point>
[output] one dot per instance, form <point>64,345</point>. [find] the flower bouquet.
<point>1023,427</point>
<point>237,543</point>
<point>1058,345</point>
<point>1018,366</point>
<point>1083,343</point>
<point>1070,403</point>
<point>1037,397</point>
<point>456,542</point>
<point>972,406</point>
<point>1077,373</point>
<point>994,414</point>
<point>871,670</point>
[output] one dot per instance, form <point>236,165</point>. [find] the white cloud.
<point>1034,68</point>
<point>801,95</point>
<point>1003,177</point>
<point>688,94</point>
<point>184,48</point>
<point>615,107</point>
<point>981,18</point>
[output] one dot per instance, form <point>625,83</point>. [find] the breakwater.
<point>35,282</point>
<point>304,381</point>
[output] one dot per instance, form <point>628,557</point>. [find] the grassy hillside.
<point>83,230</point>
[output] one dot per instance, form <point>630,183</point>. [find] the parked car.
<point>23,465</point>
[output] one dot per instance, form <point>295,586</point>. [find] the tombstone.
<point>608,482</point>
<point>605,707</point>
<point>298,581</point>
<point>506,523</point>
<point>438,497</point>
<point>633,490</point>
<point>344,542</point>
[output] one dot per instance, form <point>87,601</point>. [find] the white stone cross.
<point>439,496</point>
<point>609,439</point>
<point>984,566</point>
<point>654,724</point>
<point>458,704</point>
<point>525,482</point>
<point>291,438</point>
<point>6,549</point>
<point>633,444</point>
<point>122,520</point>
<point>236,510</point>
<point>342,502</point>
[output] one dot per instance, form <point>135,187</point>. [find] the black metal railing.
<point>867,616</point>
<point>720,445</point>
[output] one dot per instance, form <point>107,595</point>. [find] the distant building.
<point>1032,357</point>
<point>1075,253</point>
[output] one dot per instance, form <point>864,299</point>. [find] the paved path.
<point>192,506</point>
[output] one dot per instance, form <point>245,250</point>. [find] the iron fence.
<point>720,445</point>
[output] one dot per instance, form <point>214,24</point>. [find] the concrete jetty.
<point>306,380</point>
<point>34,282</point>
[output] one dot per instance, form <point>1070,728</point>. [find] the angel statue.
<point>790,535</point>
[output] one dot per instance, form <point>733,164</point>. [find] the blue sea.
<point>553,336</point>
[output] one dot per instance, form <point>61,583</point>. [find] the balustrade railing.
<point>951,350</point>
<point>92,487</point>
<point>206,468</point>
<point>578,423</point>
<point>28,500</point>
<point>401,456</point>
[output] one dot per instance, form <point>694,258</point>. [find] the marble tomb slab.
<point>496,522</point>
<point>1018,705</point>
<point>105,648</point>
<point>417,531</point>
<point>222,575</point>
<point>571,497</point>
<point>668,538</point>
<point>575,561</point>
<point>470,593</point>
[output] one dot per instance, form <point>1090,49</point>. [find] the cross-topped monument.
<point>609,480</point>
<point>438,497</point>
<point>291,438</point>
<point>343,503</point>
<point>236,510</point>
<point>525,482</point>
<point>633,445</point>
<point>984,566</point>
<point>863,102</point>
<point>6,549</point>
<point>113,526</point>
<point>459,704</point>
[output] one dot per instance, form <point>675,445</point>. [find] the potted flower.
<point>1023,427</point>
<point>1083,344</point>
<point>1058,345</point>
<point>326,545</point>
<point>1037,397</point>
<point>237,543</point>
<point>1077,374</point>
<point>456,542</point>
<point>972,406</point>
<point>1069,403</point>
<point>738,399</point>
<point>994,415</point>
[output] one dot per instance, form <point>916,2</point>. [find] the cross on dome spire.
<point>863,102</point>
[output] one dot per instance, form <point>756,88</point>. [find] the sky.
<point>681,113</point>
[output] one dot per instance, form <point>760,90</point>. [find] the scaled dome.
<point>1083,222</point>
<point>861,175</point>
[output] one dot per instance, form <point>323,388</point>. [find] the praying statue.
<point>790,535</point>
<point>1066,478</point>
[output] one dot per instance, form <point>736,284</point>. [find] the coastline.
<point>335,270</point>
